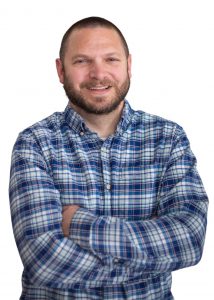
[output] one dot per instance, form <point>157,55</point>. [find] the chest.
<point>118,177</point>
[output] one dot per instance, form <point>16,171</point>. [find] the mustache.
<point>94,83</point>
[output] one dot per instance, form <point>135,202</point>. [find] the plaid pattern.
<point>143,208</point>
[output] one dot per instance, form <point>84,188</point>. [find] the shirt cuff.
<point>80,227</point>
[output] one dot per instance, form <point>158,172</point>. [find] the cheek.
<point>121,76</point>
<point>76,79</point>
<point>80,78</point>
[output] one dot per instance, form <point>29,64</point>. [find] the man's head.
<point>94,65</point>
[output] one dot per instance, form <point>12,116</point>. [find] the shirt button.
<point>82,133</point>
<point>108,186</point>
<point>116,260</point>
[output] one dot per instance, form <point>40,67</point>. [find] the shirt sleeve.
<point>173,239</point>
<point>48,257</point>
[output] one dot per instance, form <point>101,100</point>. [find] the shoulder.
<point>157,131</point>
<point>159,134</point>
<point>42,130</point>
<point>153,124</point>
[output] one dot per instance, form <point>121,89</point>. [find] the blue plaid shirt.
<point>142,216</point>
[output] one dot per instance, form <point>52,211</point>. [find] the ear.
<point>129,65</point>
<point>60,70</point>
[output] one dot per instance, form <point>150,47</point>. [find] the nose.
<point>97,71</point>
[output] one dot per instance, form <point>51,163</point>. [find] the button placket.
<point>105,158</point>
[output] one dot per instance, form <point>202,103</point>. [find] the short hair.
<point>91,22</point>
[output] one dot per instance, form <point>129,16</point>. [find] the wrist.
<point>68,213</point>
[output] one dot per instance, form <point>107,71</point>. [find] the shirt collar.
<point>126,117</point>
<point>77,124</point>
<point>74,120</point>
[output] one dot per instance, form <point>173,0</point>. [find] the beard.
<point>102,104</point>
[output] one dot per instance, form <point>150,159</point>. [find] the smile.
<point>99,88</point>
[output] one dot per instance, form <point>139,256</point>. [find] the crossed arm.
<point>67,246</point>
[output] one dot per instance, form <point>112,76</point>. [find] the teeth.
<point>99,88</point>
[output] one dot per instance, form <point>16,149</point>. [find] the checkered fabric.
<point>142,209</point>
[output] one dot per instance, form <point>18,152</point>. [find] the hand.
<point>68,213</point>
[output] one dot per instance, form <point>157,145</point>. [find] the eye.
<point>80,61</point>
<point>112,59</point>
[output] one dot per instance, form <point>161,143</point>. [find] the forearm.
<point>51,259</point>
<point>163,244</point>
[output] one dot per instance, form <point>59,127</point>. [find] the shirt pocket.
<point>136,185</point>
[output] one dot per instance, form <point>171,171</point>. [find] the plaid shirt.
<point>143,208</point>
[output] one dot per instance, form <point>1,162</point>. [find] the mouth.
<point>99,89</point>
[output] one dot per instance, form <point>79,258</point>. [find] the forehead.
<point>94,40</point>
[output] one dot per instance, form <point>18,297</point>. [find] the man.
<point>105,201</point>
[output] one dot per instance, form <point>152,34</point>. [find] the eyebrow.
<point>113,53</point>
<point>79,56</point>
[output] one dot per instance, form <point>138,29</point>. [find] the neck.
<point>104,125</point>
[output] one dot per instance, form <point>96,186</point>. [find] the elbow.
<point>190,256</point>
<point>197,246</point>
<point>39,256</point>
<point>197,255</point>
<point>192,246</point>
<point>196,225</point>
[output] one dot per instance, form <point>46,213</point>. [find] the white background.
<point>172,44</point>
